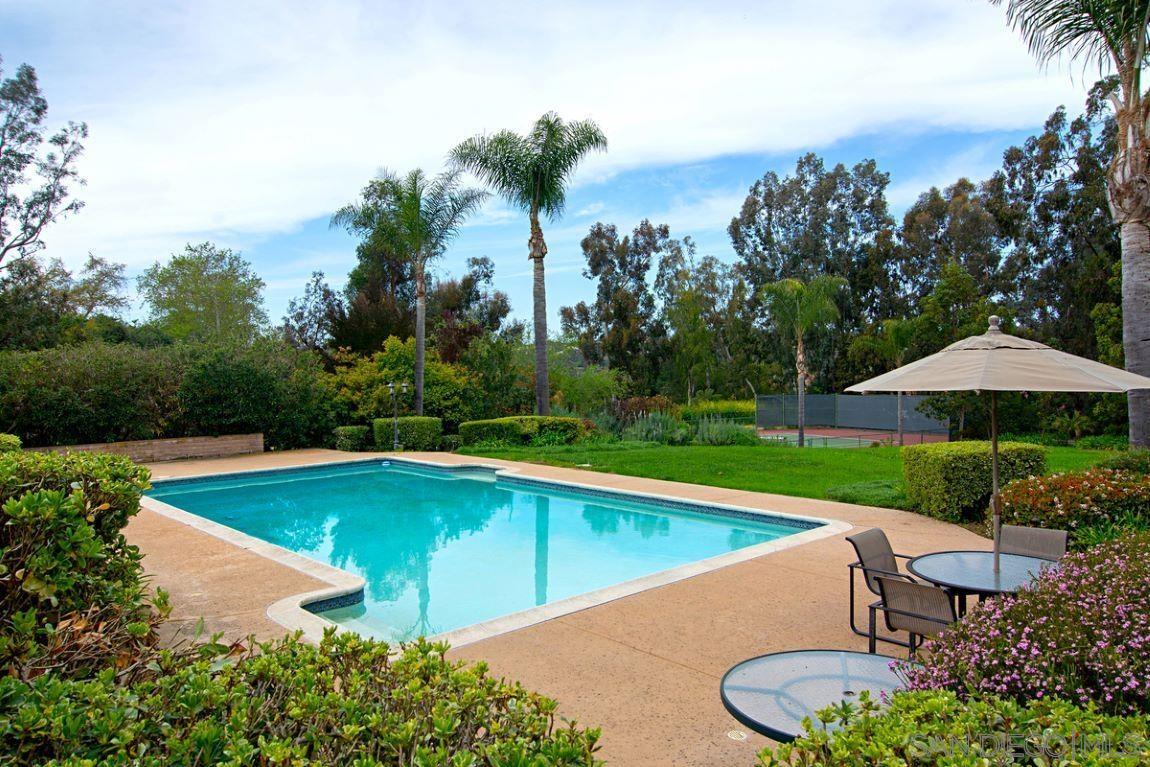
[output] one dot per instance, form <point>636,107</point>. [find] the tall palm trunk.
<point>420,333</point>
<point>538,250</point>
<point>1136,323</point>
<point>801,370</point>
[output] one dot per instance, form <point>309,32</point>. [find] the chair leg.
<point>873,635</point>
<point>914,643</point>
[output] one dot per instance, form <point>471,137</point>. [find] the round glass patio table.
<point>972,572</point>
<point>771,694</point>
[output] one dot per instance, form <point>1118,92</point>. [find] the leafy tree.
<point>890,344</point>
<point>1112,34</point>
<point>796,309</point>
<point>310,320</point>
<point>620,329</point>
<point>820,221</point>
<point>417,217</point>
<point>35,186</point>
<point>465,309</point>
<point>532,173</point>
<point>952,225</point>
<point>205,293</point>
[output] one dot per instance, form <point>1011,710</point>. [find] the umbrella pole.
<point>994,500</point>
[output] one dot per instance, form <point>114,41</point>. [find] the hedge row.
<point>105,393</point>
<point>353,439</point>
<point>524,430</point>
<point>939,728</point>
<point>951,480</point>
<point>348,701</point>
<point>415,432</point>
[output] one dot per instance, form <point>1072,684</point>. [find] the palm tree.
<point>418,217</point>
<point>1112,33</point>
<point>797,308</point>
<point>532,173</point>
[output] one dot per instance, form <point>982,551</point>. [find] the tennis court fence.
<point>878,412</point>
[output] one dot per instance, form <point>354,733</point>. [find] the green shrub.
<point>713,430</point>
<point>733,409</point>
<point>112,484</point>
<point>105,393</point>
<point>1135,461</point>
<point>353,439</point>
<point>347,701</point>
<point>450,443</point>
<point>1103,442</point>
<point>9,443</point>
<point>1079,631</point>
<point>524,430</point>
<point>659,427</point>
<point>1093,505</point>
<point>1036,438</point>
<point>415,432</point>
<point>930,728</point>
<point>361,393</point>
<point>951,480</point>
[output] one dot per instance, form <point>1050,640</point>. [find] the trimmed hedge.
<point>524,430</point>
<point>1092,505</point>
<point>951,480</point>
<point>353,439</point>
<point>416,432</point>
<point>348,701</point>
<point>937,728</point>
<point>10,443</point>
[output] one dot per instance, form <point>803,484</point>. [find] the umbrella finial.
<point>995,320</point>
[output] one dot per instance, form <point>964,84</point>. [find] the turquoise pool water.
<point>440,550</point>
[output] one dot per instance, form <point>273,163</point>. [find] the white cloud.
<point>240,120</point>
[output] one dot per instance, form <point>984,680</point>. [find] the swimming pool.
<point>444,548</point>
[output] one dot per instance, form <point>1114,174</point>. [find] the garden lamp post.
<point>395,413</point>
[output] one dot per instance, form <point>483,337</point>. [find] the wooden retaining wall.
<point>152,450</point>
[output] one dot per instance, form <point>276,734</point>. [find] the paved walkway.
<point>644,668</point>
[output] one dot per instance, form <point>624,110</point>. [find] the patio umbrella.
<point>994,362</point>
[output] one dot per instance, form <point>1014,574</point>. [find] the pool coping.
<point>346,588</point>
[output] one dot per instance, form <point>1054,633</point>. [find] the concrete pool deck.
<point>645,667</point>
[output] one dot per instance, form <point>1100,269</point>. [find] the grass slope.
<point>859,475</point>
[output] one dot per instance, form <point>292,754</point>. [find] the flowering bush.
<point>1080,631</point>
<point>936,728</point>
<point>1085,503</point>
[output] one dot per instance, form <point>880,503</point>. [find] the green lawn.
<point>808,472</point>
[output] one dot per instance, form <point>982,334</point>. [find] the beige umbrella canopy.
<point>994,362</point>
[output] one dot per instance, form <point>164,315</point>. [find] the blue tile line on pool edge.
<point>619,495</point>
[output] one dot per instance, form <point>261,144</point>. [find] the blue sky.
<point>248,123</point>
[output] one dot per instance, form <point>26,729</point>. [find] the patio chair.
<point>1033,542</point>
<point>919,609</point>
<point>875,558</point>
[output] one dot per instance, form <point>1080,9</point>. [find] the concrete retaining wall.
<point>152,450</point>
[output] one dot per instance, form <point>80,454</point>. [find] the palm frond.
<point>1111,33</point>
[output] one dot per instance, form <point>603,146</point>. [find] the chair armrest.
<point>876,571</point>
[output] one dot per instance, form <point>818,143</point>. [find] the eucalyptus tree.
<point>418,216</point>
<point>795,309</point>
<point>1112,34</point>
<point>532,172</point>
